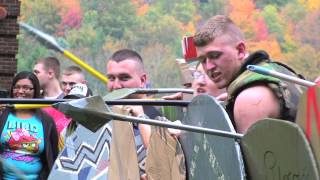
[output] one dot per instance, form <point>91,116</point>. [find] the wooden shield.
<point>165,159</point>
<point>123,154</point>
<point>308,117</point>
<point>209,156</point>
<point>277,149</point>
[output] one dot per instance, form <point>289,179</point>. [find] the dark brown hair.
<point>27,75</point>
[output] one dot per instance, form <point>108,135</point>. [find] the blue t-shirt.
<point>22,142</point>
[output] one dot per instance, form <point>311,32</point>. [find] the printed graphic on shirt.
<point>21,141</point>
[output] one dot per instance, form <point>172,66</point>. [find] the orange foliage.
<point>142,10</point>
<point>243,8</point>
<point>187,28</point>
<point>71,14</point>
<point>243,14</point>
<point>142,7</point>
<point>70,4</point>
<point>312,5</point>
<point>197,18</point>
<point>136,1</point>
<point>271,46</point>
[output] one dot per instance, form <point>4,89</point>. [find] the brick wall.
<point>9,30</point>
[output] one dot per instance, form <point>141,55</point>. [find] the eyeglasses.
<point>24,88</point>
<point>198,75</point>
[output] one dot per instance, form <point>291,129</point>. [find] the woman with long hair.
<point>29,139</point>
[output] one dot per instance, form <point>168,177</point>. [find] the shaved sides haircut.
<point>217,26</point>
<point>51,63</point>
<point>72,69</point>
<point>126,54</point>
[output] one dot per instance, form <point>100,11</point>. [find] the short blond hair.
<point>72,70</point>
<point>217,26</point>
<point>50,63</point>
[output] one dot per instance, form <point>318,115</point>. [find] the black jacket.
<point>51,141</point>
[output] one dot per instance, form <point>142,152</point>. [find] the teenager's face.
<point>23,89</point>
<point>67,81</point>
<point>221,59</point>
<point>202,84</point>
<point>125,74</point>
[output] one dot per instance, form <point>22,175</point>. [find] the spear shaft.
<point>38,102</point>
<point>51,43</point>
<point>268,72</point>
<point>174,126</point>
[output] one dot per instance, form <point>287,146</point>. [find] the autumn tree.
<point>211,8</point>
<point>308,29</point>
<point>93,30</point>
<point>311,5</point>
<point>306,61</point>
<point>42,14</point>
<point>274,22</point>
<point>277,3</point>
<point>243,13</point>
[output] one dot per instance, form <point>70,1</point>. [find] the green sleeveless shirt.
<point>288,93</point>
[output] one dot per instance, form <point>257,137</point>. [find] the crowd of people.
<point>32,138</point>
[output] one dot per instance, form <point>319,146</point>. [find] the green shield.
<point>209,156</point>
<point>277,149</point>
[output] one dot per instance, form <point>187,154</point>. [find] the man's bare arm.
<point>254,104</point>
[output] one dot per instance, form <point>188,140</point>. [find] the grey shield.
<point>84,156</point>
<point>83,110</point>
<point>276,149</point>
<point>86,153</point>
<point>209,156</point>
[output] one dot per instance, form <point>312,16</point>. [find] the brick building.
<point>9,29</point>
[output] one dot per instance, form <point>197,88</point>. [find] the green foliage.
<point>43,14</point>
<point>113,16</point>
<point>294,12</point>
<point>29,52</point>
<point>308,29</point>
<point>181,10</point>
<point>172,113</point>
<point>306,61</point>
<point>277,3</point>
<point>184,12</point>
<point>274,22</point>
<point>108,25</point>
<point>160,62</point>
<point>211,8</point>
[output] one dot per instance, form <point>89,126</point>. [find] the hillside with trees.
<point>288,29</point>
